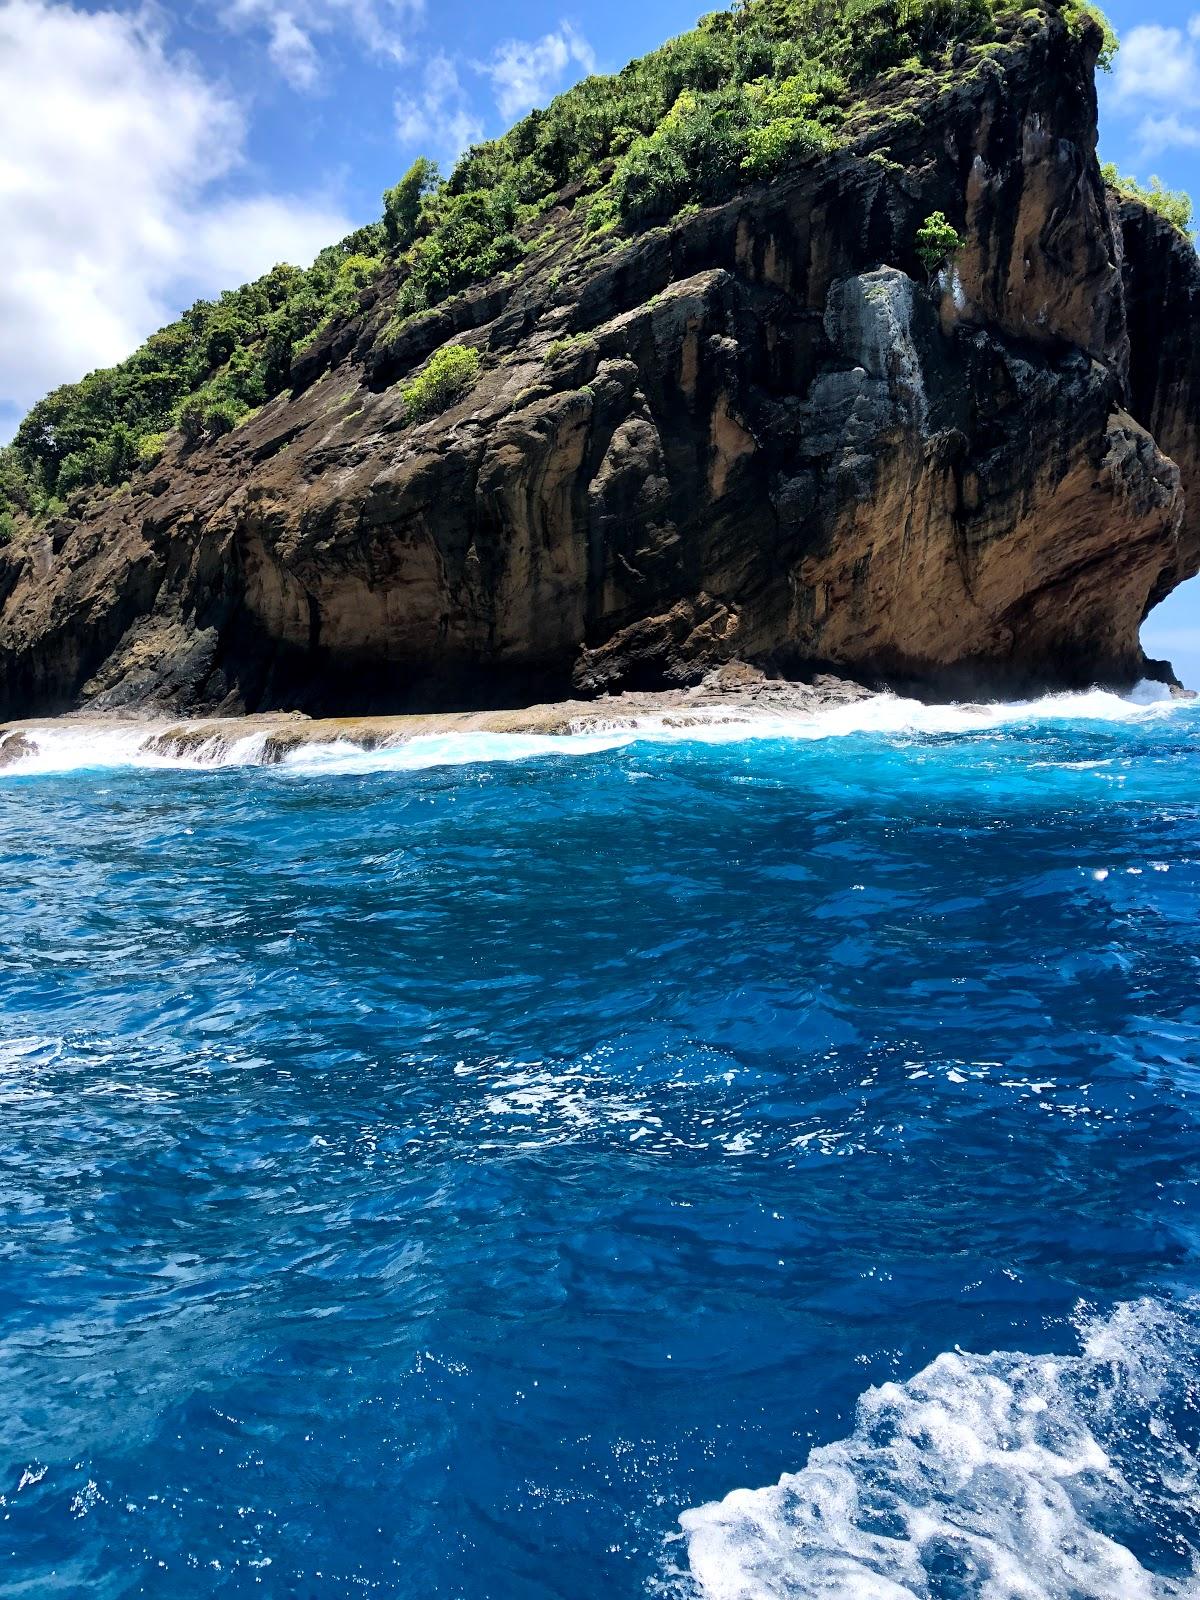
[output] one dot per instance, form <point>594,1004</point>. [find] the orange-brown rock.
<point>758,434</point>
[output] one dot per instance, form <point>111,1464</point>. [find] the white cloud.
<point>1157,64</point>
<point>526,72</point>
<point>109,152</point>
<point>242,238</point>
<point>438,117</point>
<point>1157,81</point>
<point>292,30</point>
<point>1156,134</point>
<point>293,52</point>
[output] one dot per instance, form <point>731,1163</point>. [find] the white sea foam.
<point>452,750</point>
<point>989,1477</point>
<point>64,747</point>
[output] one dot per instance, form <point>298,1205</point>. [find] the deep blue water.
<point>434,1181</point>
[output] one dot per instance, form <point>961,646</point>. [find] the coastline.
<point>737,693</point>
<point>733,700</point>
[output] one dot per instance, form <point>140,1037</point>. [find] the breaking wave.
<point>65,746</point>
<point>994,1477</point>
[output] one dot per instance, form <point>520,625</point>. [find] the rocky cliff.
<point>757,433</point>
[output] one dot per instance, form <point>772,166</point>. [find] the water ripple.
<point>434,1180</point>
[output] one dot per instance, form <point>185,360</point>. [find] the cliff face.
<point>756,434</point>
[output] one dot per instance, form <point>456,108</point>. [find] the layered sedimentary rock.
<point>756,434</point>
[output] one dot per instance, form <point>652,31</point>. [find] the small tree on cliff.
<point>402,202</point>
<point>936,242</point>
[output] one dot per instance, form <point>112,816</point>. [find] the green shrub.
<point>353,276</point>
<point>695,149</point>
<point>447,376</point>
<point>571,342</point>
<point>116,455</point>
<point>936,241</point>
<point>190,418</point>
<point>603,214</point>
<point>150,448</point>
<point>650,182</point>
<point>78,470</point>
<point>8,527</point>
<point>208,416</point>
<point>18,490</point>
<point>804,93</point>
<point>471,237</point>
<point>1175,205</point>
<point>783,142</point>
<point>402,203</point>
<point>1078,13</point>
<point>244,379</point>
<point>223,416</point>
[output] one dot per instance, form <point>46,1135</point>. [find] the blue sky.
<point>150,153</point>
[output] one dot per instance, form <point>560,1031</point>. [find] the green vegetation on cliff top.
<point>1171,204</point>
<point>744,94</point>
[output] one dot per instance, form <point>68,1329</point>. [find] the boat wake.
<point>995,1477</point>
<point>70,746</point>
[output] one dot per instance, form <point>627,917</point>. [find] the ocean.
<point>738,1162</point>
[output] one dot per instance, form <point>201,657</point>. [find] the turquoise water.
<point>454,1173</point>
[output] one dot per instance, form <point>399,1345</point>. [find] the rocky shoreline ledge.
<point>734,693</point>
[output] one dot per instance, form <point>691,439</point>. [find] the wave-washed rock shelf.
<point>273,737</point>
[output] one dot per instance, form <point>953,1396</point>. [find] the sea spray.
<point>989,1477</point>
<point>68,746</point>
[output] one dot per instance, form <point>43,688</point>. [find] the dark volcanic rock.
<point>767,439</point>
